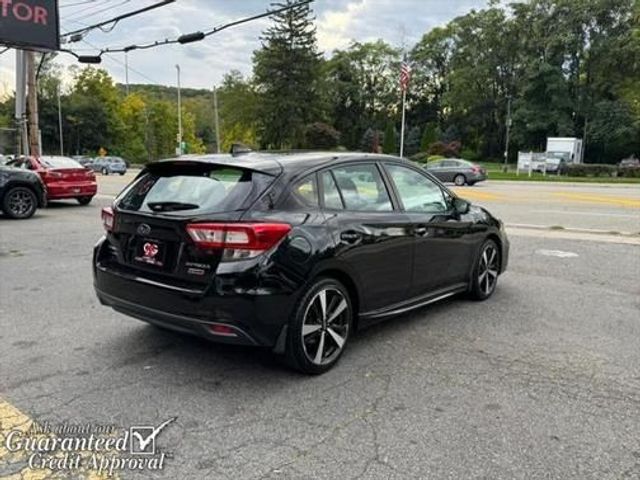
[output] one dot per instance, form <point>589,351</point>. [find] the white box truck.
<point>568,149</point>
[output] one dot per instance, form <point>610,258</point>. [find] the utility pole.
<point>506,146</point>
<point>60,123</point>
<point>21,103</point>
<point>32,96</point>
<point>126,71</point>
<point>215,110</point>
<point>179,149</point>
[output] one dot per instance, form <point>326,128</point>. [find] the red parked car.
<point>64,177</point>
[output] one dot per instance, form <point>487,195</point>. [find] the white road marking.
<point>556,253</point>
<point>595,214</point>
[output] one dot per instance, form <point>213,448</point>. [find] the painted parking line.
<point>14,465</point>
<point>609,200</point>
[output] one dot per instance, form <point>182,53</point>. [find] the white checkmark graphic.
<point>144,442</point>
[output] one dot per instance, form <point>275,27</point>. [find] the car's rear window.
<point>59,162</point>
<point>194,189</point>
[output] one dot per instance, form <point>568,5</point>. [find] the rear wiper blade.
<point>171,206</point>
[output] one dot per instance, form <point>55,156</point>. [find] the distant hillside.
<point>165,92</point>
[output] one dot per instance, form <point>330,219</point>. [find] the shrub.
<point>469,154</point>
<point>451,149</point>
<point>322,136</point>
<point>422,157</point>
<point>629,172</point>
<point>591,170</point>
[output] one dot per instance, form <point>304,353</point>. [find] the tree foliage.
<point>287,74</point>
<point>567,67</point>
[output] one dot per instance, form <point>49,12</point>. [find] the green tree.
<point>362,88</point>
<point>430,135</point>
<point>319,135</point>
<point>286,71</point>
<point>412,141</point>
<point>133,113</point>
<point>238,102</point>
<point>389,144</point>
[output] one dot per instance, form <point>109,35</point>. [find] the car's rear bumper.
<point>177,322</point>
<point>255,316</point>
<point>71,190</point>
<point>476,177</point>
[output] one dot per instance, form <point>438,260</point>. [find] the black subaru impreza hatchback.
<point>294,252</point>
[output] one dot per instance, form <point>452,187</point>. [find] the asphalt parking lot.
<point>540,381</point>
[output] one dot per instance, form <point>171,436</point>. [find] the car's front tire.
<point>19,203</point>
<point>319,327</point>
<point>486,271</point>
<point>105,171</point>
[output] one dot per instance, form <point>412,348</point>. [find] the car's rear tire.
<point>122,173</point>
<point>486,271</point>
<point>459,180</point>
<point>84,200</point>
<point>319,328</point>
<point>105,171</point>
<point>19,203</point>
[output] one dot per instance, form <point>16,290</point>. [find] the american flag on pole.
<point>405,76</point>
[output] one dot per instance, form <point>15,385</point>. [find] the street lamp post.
<point>60,123</point>
<point>179,149</point>
<point>217,121</point>
<point>506,145</point>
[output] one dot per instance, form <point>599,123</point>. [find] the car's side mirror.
<point>460,205</point>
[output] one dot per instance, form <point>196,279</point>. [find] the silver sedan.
<point>456,170</point>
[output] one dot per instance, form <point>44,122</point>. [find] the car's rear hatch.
<point>148,236</point>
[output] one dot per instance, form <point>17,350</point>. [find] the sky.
<point>203,64</point>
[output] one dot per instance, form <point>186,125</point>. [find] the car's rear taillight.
<point>90,174</point>
<point>475,169</point>
<point>51,175</point>
<point>108,218</point>
<point>239,240</point>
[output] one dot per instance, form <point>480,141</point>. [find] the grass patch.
<point>538,177</point>
<point>494,169</point>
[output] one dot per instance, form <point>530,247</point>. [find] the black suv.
<point>293,252</point>
<point>21,192</point>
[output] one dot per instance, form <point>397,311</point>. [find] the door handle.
<point>421,231</point>
<point>350,236</point>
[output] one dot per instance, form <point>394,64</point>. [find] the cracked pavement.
<point>541,381</point>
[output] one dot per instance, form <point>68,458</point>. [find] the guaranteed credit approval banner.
<point>30,24</point>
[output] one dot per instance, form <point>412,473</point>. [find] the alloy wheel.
<point>20,202</point>
<point>325,326</point>
<point>488,269</point>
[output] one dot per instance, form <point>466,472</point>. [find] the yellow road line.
<point>476,195</point>
<point>16,462</point>
<point>619,201</point>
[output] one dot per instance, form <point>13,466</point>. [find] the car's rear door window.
<point>330,192</point>
<point>362,188</point>
<point>194,189</point>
